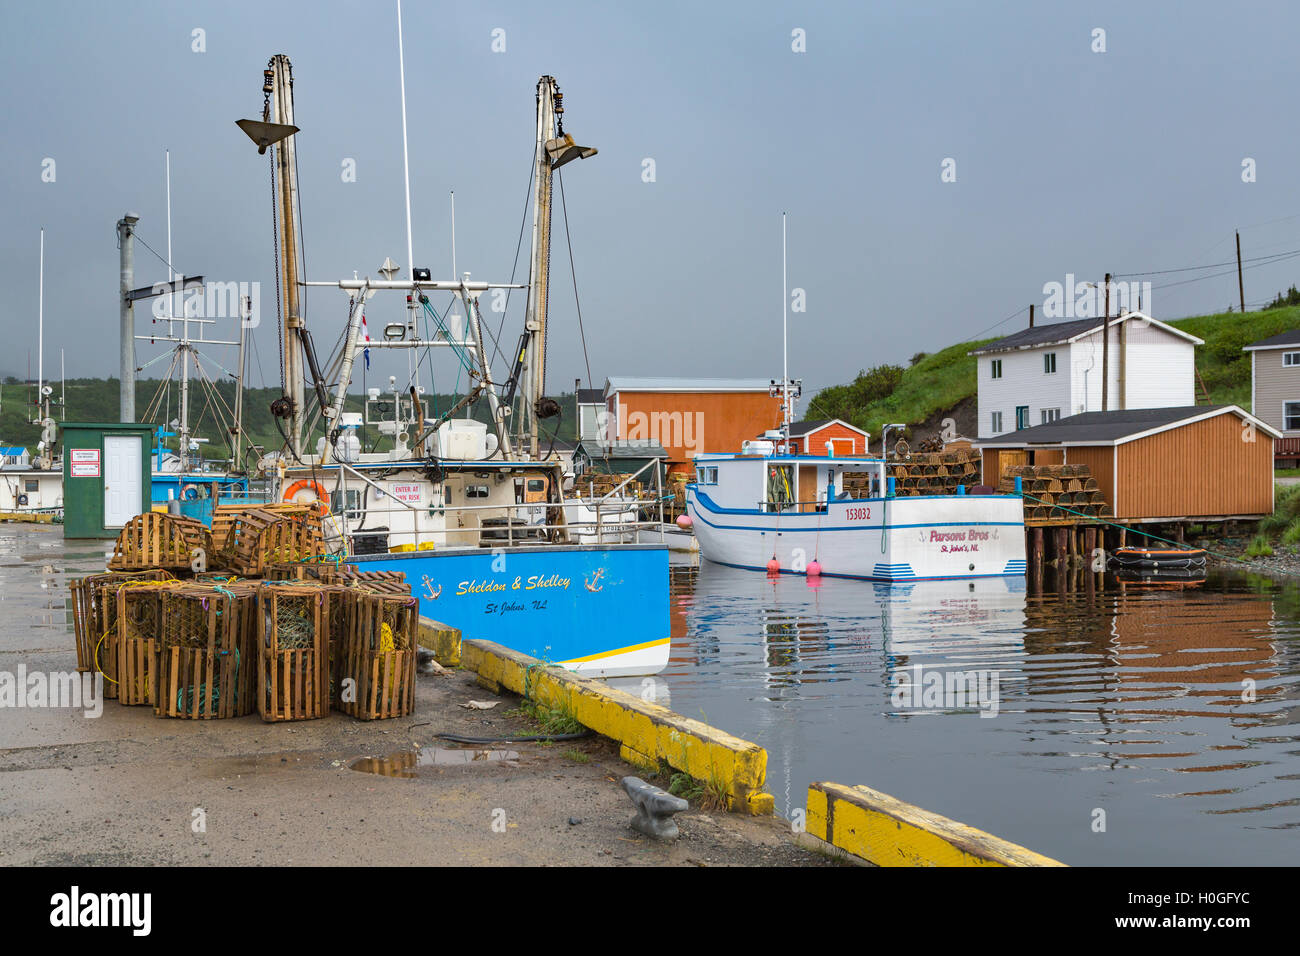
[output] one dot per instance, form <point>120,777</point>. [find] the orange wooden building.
<point>689,416</point>
<point>812,438</point>
<point>1155,464</point>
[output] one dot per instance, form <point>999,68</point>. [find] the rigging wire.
<point>532,169</point>
<point>574,272</point>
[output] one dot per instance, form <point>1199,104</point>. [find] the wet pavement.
<point>128,787</point>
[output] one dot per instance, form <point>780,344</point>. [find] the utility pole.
<point>1241,287</point>
<point>126,314</point>
<point>1105,350</point>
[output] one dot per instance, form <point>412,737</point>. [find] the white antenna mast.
<point>454,273</point>
<point>406,162</point>
<point>40,334</point>
<point>785,349</point>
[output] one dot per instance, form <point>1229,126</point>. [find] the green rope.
<point>1154,537</point>
<point>185,695</point>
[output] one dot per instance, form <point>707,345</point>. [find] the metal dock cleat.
<point>654,808</point>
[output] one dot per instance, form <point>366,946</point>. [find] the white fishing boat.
<point>765,509</point>
<point>789,514</point>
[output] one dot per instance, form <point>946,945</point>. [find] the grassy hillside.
<point>941,382</point>
<point>96,400</point>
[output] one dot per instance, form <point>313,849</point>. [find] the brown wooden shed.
<point>1155,464</point>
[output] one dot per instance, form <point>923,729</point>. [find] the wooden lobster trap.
<point>380,582</point>
<point>88,621</point>
<point>257,538</point>
<point>129,611</point>
<point>322,570</point>
<point>293,642</point>
<point>156,540</point>
<point>134,641</point>
<point>207,651</point>
<point>374,663</point>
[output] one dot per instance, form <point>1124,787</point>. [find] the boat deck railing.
<point>608,519</point>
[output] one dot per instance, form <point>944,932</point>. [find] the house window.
<point>1291,416</point>
<point>1049,363</point>
<point>1290,358</point>
<point>1049,415</point>
<point>995,368</point>
<point>1022,416</point>
<point>996,422</point>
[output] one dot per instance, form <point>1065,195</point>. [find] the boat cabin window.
<point>708,475</point>
<point>353,503</point>
<point>780,487</point>
<point>536,485</point>
<point>476,491</point>
<point>31,484</point>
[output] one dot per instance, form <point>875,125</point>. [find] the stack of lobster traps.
<point>251,616</point>
<point>919,473</point>
<point>1056,493</point>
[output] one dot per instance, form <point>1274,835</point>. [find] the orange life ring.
<point>305,484</point>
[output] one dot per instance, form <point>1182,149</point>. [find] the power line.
<point>996,324</point>
<point>1212,265</point>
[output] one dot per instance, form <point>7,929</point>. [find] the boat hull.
<point>878,539</point>
<point>601,611</point>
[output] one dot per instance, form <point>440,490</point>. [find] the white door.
<point>121,479</point>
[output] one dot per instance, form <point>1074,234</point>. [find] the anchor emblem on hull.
<point>593,583</point>
<point>429,591</point>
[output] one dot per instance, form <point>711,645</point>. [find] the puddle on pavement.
<point>407,763</point>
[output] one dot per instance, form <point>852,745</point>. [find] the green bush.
<point>1259,548</point>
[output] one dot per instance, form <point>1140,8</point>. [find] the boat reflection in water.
<point>1171,711</point>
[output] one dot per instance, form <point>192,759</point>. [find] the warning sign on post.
<point>84,462</point>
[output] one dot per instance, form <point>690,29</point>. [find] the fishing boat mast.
<point>554,148</point>
<point>276,129</point>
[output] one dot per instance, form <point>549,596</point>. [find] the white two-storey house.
<point>1054,371</point>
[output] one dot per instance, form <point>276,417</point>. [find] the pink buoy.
<point>774,566</point>
<point>814,568</point>
<point>684,522</point>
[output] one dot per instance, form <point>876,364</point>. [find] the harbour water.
<point>1119,727</point>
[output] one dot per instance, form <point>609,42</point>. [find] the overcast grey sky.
<point>1067,161</point>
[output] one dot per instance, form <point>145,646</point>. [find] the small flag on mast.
<point>365,335</point>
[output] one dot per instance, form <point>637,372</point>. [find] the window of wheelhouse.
<point>780,488</point>
<point>353,503</point>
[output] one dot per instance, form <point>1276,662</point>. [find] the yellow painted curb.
<point>875,827</point>
<point>647,733</point>
<point>444,641</point>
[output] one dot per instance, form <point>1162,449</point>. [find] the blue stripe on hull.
<point>864,577</point>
